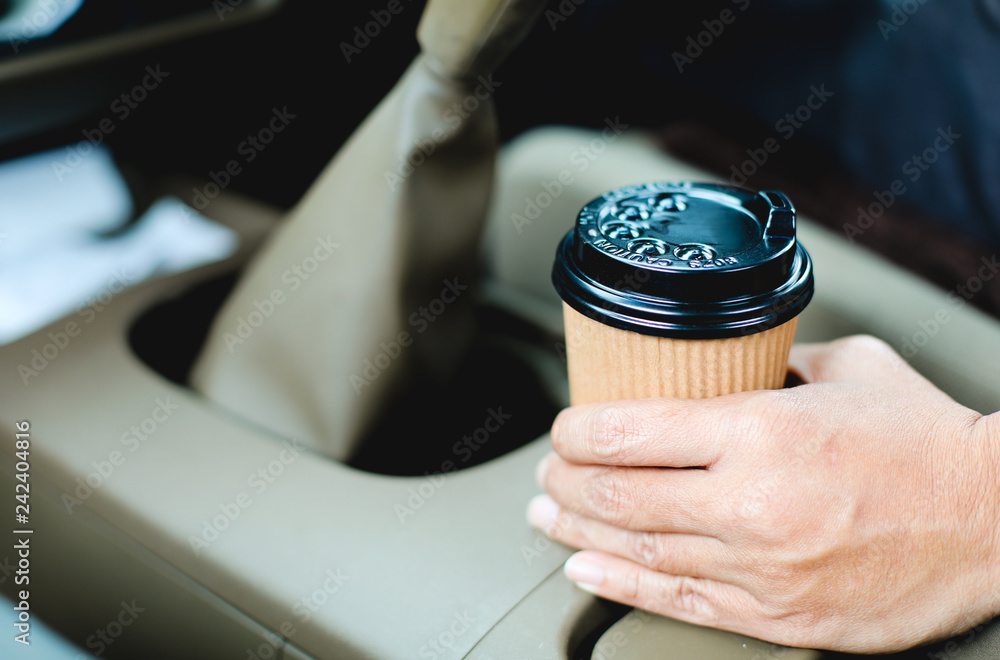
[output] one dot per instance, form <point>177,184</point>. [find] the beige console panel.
<point>329,562</point>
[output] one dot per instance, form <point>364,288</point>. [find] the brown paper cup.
<point>607,364</point>
<point>680,290</point>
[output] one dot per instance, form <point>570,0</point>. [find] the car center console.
<point>241,543</point>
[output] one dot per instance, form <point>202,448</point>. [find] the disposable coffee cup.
<point>682,290</point>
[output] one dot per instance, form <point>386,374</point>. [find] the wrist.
<point>987,436</point>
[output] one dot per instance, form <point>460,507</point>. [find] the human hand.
<point>857,512</point>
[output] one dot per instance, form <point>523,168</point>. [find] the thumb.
<point>850,358</point>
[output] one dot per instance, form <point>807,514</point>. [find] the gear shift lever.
<point>318,328</point>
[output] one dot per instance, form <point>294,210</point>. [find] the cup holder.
<point>168,336</point>
<point>493,403</point>
<point>591,626</point>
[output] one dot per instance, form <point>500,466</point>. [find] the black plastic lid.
<point>685,260</point>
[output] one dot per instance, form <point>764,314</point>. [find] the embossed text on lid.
<point>708,257</point>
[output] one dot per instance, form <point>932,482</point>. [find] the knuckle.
<point>762,512</point>
<point>614,431</point>
<point>646,548</point>
<point>751,508</point>
<point>770,418</point>
<point>686,597</point>
<point>610,495</point>
<point>779,404</point>
<point>758,408</point>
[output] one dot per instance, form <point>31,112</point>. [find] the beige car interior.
<point>321,563</point>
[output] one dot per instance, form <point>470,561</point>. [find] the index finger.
<point>661,432</point>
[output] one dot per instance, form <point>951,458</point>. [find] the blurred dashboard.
<point>40,34</point>
<point>56,55</point>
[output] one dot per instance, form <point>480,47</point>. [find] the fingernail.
<point>542,512</point>
<point>587,574</point>
<point>541,470</point>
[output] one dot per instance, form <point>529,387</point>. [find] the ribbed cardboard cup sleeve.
<point>608,364</point>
